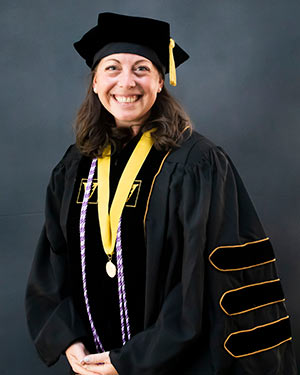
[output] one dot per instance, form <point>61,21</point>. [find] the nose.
<point>126,79</point>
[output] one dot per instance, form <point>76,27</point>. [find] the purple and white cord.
<point>82,222</point>
<point>121,287</point>
<point>120,270</point>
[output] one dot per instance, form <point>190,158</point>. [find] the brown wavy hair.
<point>95,127</point>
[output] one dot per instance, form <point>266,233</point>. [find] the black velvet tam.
<point>144,36</point>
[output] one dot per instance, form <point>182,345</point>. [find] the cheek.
<point>152,93</point>
<point>103,83</point>
<point>104,92</point>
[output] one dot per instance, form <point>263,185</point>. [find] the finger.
<point>109,370</point>
<point>83,371</point>
<point>75,358</point>
<point>95,368</point>
<point>96,358</point>
<point>106,369</point>
<point>79,369</point>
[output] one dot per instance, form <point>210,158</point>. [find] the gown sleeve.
<point>52,320</point>
<point>224,250</point>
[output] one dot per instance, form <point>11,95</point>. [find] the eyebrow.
<point>143,60</point>
<point>112,60</point>
<point>136,62</point>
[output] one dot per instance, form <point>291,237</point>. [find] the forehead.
<point>125,58</point>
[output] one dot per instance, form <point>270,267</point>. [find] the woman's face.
<point>127,86</point>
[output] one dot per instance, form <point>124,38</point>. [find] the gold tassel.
<point>172,69</point>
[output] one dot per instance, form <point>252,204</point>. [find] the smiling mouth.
<point>126,99</point>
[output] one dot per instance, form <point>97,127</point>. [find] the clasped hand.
<point>84,363</point>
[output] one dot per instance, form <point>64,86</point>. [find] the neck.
<point>135,126</point>
<point>135,129</point>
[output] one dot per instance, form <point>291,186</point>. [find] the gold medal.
<point>111,269</point>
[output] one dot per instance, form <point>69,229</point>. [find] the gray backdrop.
<point>241,88</point>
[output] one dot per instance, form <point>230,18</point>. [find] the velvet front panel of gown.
<point>103,290</point>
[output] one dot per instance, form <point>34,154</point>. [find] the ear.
<point>160,83</point>
<point>94,80</point>
<point>94,84</point>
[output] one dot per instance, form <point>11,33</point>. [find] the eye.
<point>111,68</point>
<point>143,68</point>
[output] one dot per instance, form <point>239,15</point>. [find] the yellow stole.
<point>109,220</point>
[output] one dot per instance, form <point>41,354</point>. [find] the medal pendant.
<point>111,269</point>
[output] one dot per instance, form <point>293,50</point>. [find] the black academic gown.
<point>213,302</point>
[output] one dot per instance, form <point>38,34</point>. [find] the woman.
<point>158,264</point>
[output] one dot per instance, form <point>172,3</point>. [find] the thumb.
<point>99,358</point>
<point>77,350</point>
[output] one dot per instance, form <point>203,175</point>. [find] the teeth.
<point>126,99</point>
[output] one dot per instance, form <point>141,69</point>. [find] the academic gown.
<point>213,301</point>
<point>101,289</point>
